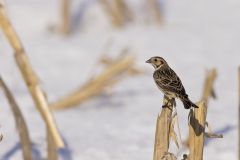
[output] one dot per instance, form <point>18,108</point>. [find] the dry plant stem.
<point>113,11</point>
<point>38,97</point>
<point>207,90</point>
<point>162,135</point>
<point>208,85</point>
<point>238,113</point>
<point>131,71</point>
<point>197,131</point>
<point>95,86</point>
<point>30,77</point>
<point>124,10</point>
<point>52,149</point>
<point>65,15</point>
<point>20,123</point>
<point>212,135</point>
<point>155,10</point>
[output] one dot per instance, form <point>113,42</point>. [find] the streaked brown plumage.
<point>168,81</point>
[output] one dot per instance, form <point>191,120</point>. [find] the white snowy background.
<point>196,35</point>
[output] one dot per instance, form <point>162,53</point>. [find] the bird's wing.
<point>168,81</point>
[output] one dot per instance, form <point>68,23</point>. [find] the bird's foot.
<point>167,106</point>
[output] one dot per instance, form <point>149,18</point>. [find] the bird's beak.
<point>148,61</point>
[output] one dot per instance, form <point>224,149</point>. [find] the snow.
<point>196,35</point>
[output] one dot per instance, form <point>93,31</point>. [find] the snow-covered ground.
<point>196,35</point>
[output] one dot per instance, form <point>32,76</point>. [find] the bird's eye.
<point>155,60</point>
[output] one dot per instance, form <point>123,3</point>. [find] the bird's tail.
<point>188,103</point>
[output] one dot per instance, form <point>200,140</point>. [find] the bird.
<point>169,82</point>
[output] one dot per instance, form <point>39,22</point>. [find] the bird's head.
<point>157,62</point>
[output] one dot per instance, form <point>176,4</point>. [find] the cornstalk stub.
<point>197,131</point>
<point>162,135</point>
<point>208,89</point>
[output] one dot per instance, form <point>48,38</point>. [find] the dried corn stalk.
<point>172,133</point>
<point>29,76</point>
<point>197,131</point>
<point>154,10</point>
<point>125,11</point>
<point>96,85</point>
<point>163,130</point>
<point>117,10</point>
<point>113,13</point>
<point>65,17</point>
<point>208,85</point>
<point>198,124</point>
<point>20,123</point>
<point>208,90</point>
<point>52,148</point>
<point>108,61</point>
